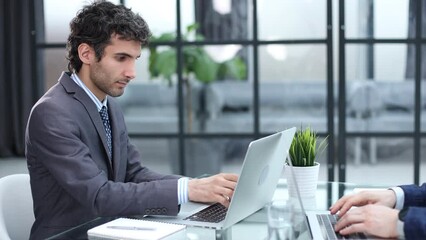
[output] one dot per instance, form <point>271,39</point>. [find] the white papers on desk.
<point>137,229</point>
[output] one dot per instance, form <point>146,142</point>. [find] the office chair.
<point>16,207</point>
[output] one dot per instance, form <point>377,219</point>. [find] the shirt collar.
<point>92,96</point>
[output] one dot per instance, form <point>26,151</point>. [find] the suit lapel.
<point>97,121</point>
<point>81,96</point>
<point>115,137</point>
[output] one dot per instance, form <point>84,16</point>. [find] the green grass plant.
<point>304,150</point>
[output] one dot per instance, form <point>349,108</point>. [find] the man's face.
<point>111,75</point>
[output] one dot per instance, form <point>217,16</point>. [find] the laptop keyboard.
<point>214,213</point>
<point>327,221</point>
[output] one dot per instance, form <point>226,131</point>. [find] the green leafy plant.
<point>195,60</point>
<point>304,150</point>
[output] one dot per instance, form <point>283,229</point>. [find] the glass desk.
<point>253,227</point>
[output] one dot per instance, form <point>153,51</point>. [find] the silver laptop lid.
<point>259,175</point>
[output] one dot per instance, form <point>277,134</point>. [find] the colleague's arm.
<point>415,223</point>
<point>414,195</point>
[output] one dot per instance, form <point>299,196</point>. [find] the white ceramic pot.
<point>307,180</point>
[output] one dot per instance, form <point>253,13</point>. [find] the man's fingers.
<point>337,206</point>
<point>354,228</point>
<point>230,185</point>
<point>222,200</point>
<point>343,205</point>
<point>224,195</point>
<point>340,205</point>
<point>213,189</point>
<point>345,208</point>
<point>229,180</point>
<point>227,198</point>
<point>224,187</point>
<point>231,177</point>
<point>355,216</point>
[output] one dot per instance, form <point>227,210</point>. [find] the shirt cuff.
<point>182,189</point>
<point>399,193</point>
<point>400,229</point>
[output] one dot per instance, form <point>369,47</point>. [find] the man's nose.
<point>130,72</point>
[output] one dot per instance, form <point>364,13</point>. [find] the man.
<point>80,159</point>
<point>396,212</point>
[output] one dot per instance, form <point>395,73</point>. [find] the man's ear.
<point>86,53</point>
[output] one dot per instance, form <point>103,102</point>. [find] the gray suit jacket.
<point>72,178</point>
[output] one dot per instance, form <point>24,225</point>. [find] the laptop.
<point>314,224</point>
<point>260,172</point>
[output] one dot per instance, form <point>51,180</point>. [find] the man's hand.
<point>378,197</point>
<point>376,220</point>
<point>217,188</point>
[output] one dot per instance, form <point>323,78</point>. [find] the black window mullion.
<point>330,93</point>
<point>342,95</point>
<point>256,82</point>
<point>181,122</point>
<point>417,94</point>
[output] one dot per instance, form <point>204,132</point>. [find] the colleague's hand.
<point>376,220</point>
<point>378,197</point>
<point>217,188</point>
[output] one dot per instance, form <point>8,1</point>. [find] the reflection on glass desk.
<point>253,227</point>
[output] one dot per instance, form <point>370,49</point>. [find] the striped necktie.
<point>107,126</point>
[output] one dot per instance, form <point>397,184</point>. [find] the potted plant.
<point>303,154</point>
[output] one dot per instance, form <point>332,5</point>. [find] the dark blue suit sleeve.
<point>415,220</point>
<point>415,223</point>
<point>414,195</point>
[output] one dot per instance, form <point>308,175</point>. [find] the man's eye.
<point>121,58</point>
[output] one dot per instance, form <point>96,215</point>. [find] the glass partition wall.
<point>231,71</point>
<point>380,81</point>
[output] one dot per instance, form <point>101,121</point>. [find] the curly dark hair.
<point>96,23</point>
